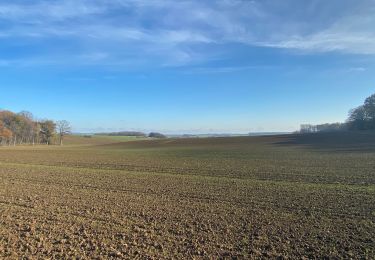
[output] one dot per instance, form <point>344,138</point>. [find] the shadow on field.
<point>332,142</point>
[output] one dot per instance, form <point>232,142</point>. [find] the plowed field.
<point>288,196</point>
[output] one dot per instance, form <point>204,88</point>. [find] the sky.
<point>188,66</point>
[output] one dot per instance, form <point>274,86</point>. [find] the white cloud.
<point>328,42</point>
<point>349,34</point>
<point>220,70</point>
<point>357,69</point>
<point>47,9</point>
<point>169,32</point>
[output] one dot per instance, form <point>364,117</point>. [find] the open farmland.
<point>289,196</point>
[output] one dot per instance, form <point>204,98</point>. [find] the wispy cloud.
<point>165,32</point>
<point>351,34</point>
<point>39,10</point>
<point>223,69</point>
<point>328,42</point>
<point>356,69</point>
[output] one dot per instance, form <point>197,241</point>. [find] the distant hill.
<point>268,133</point>
<point>124,133</point>
<point>226,135</point>
<point>156,135</point>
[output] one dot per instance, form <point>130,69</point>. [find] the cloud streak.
<point>179,33</point>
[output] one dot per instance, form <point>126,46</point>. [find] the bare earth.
<point>248,197</point>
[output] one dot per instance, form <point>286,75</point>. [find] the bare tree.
<point>47,131</point>
<point>63,128</point>
<point>307,128</point>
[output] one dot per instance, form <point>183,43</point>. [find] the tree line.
<point>360,118</point>
<point>23,128</point>
<point>134,133</point>
<point>124,133</point>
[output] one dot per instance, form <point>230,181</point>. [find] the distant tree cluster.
<point>360,118</point>
<point>134,133</point>
<point>363,117</point>
<point>307,128</point>
<point>124,133</point>
<point>334,127</point>
<point>23,128</point>
<point>156,135</point>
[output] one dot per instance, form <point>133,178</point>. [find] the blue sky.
<point>187,66</point>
